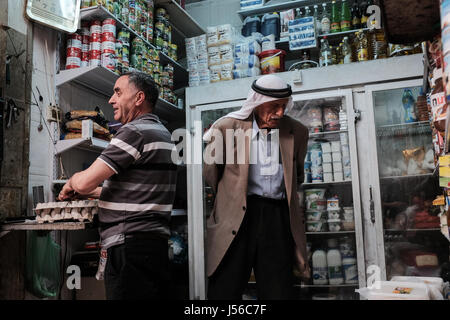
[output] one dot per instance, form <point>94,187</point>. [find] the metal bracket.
<point>357,115</point>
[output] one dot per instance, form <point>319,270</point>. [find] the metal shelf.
<point>102,80</point>
<point>89,144</point>
<point>101,13</point>
<point>329,233</point>
<point>412,230</point>
<point>404,125</point>
<point>341,34</point>
<point>275,7</point>
<point>426,175</point>
<point>325,183</point>
<point>180,19</point>
<point>327,286</point>
<point>319,134</point>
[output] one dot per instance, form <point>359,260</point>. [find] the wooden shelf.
<point>33,225</point>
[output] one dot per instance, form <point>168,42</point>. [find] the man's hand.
<point>67,192</point>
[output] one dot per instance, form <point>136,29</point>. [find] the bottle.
<point>356,16</point>
<point>346,51</point>
<point>325,53</point>
<point>317,19</point>
<point>334,263</point>
<point>339,53</point>
<point>346,17</point>
<point>408,102</point>
<point>298,13</point>
<point>378,43</point>
<point>335,18</point>
<point>308,12</point>
<point>350,270</point>
<point>364,14</point>
<point>320,267</point>
<point>325,21</point>
<point>270,24</point>
<point>362,49</point>
<point>334,58</point>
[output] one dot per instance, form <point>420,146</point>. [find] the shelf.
<point>404,125</point>
<point>426,175</point>
<point>33,225</point>
<point>89,144</point>
<point>327,286</point>
<point>325,183</point>
<point>101,13</point>
<point>180,19</point>
<point>413,230</point>
<point>320,134</point>
<point>102,80</point>
<point>329,233</point>
<point>341,34</point>
<point>275,7</point>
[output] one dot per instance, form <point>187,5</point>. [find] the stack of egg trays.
<point>81,210</point>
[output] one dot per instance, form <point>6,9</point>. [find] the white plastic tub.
<point>435,285</point>
<point>388,290</point>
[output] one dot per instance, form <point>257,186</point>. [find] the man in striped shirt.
<point>135,201</point>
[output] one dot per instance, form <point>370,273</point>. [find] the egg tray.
<point>82,210</point>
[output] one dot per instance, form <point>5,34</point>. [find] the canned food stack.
<point>316,163</point>
<point>123,52</point>
<point>316,205</point>
<point>166,91</point>
<point>220,52</point>
<point>327,159</point>
<point>74,51</point>
<point>197,61</point>
<point>108,58</point>
<point>95,44</point>
<point>163,32</point>
<point>246,61</point>
<point>85,34</point>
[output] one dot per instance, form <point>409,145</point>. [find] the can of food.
<point>96,27</point>
<point>73,62</point>
<point>124,36</point>
<point>150,32</point>
<point>95,57</point>
<point>109,26</point>
<point>109,61</point>
<point>108,47</point>
<point>75,41</point>
<point>125,14</point>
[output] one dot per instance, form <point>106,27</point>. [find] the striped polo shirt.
<point>140,195</point>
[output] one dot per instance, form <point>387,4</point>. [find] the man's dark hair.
<point>144,82</point>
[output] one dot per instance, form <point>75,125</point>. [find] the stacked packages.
<point>246,61</point>
<point>220,52</point>
<point>197,60</point>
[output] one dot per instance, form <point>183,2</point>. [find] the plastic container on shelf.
<point>270,24</point>
<point>316,204</point>
<point>312,194</point>
<point>348,225</point>
<point>316,226</point>
<point>334,214</point>
<point>395,290</point>
<point>334,225</point>
<point>350,268</point>
<point>314,215</point>
<point>334,263</point>
<point>251,25</point>
<point>349,214</point>
<point>320,267</point>
<point>435,285</point>
<point>272,61</point>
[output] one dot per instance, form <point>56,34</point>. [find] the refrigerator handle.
<point>357,115</point>
<point>372,206</point>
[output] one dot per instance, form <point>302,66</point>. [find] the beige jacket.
<point>229,182</point>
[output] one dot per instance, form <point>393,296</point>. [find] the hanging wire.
<point>28,82</point>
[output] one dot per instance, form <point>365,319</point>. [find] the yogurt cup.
<point>315,215</point>
<point>334,225</point>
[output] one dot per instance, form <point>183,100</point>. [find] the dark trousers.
<point>264,242</point>
<point>138,269</point>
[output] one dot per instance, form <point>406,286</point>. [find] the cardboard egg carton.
<point>81,210</point>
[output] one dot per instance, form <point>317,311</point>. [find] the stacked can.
<point>160,28</point>
<point>166,92</point>
<point>95,44</point>
<point>134,16</point>
<point>143,20</point>
<point>85,34</point>
<point>109,4</point>
<point>125,14</point>
<point>150,9</point>
<point>109,44</point>
<point>117,9</point>
<point>74,48</point>
<point>124,54</point>
<point>137,49</point>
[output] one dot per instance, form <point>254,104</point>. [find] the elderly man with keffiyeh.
<point>257,222</point>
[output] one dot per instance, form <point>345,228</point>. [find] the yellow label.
<point>444,172</point>
<point>444,161</point>
<point>271,65</point>
<point>363,55</point>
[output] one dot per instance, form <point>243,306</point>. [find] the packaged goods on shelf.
<point>73,127</point>
<point>251,4</point>
<point>285,17</point>
<point>395,290</point>
<point>82,210</point>
<point>197,60</point>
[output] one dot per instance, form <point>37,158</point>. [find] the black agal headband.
<point>274,93</point>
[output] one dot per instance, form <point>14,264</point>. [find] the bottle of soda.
<point>356,16</point>
<point>346,17</point>
<point>325,22</point>
<point>317,19</point>
<point>298,14</point>
<point>325,53</point>
<point>307,12</point>
<point>335,18</point>
<point>346,51</point>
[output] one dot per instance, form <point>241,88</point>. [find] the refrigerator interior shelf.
<point>328,232</point>
<point>101,13</point>
<point>320,134</point>
<point>426,175</point>
<point>102,80</point>
<point>89,144</point>
<point>327,285</point>
<point>414,128</point>
<point>412,230</point>
<point>310,184</point>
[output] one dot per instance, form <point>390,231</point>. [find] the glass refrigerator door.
<point>408,228</point>
<point>330,197</point>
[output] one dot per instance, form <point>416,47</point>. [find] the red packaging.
<point>73,52</point>
<point>96,37</point>
<point>107,36</point>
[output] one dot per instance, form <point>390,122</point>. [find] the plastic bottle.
<point>335,18</point>
<point>356,16</point>
<point>270,24</point>
<point>346,51</point>
<point>320,267</point>
<point>317,19</point>
<point>251,24</point>
<point>308,12</point>
<point>298,13</point>
<point>346,17</point>
<point>350,269</point>
<point>325,53</point>
<point>325,22</point>
<point>408,102</point>
<point>378,44</point>
<point>362,46</point>
<point>334,263</point>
